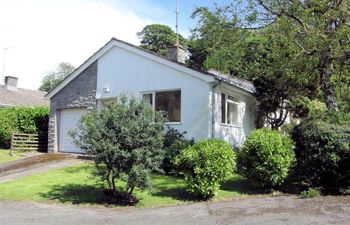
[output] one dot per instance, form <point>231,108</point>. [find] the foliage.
<point>321,33</point>
<point>125,143</point>
<point>157,37</point>
<point>205,165</point>
<point>323,153</point>
<point>215,42</point>
<point>266,158</point>
<point>310,193</point>
<point>56,76</point>
<point>174,142</point>
<point>22,119</point>
<point>304,44</point>
<point>267,57</point>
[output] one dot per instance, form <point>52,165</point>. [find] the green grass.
<point>75,185</point>
<point>6,157</point>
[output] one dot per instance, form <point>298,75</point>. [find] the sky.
<point>36,35</point>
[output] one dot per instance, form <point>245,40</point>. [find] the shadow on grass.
<point>88,194</point>
<point>237,184</point>
<point>176,193</point>
<point>240,185</point>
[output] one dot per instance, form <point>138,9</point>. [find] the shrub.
<point>266,158</point>
<point>125,143</point>
<point>174,142</point>
<point>323,154</point>
<point>22,119</point>
<point>310,193</point>
<point>205,165</point>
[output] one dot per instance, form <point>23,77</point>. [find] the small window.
<point>229,109</point>
<point>166,101</point>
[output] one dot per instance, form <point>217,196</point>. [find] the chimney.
<point>177,53</point>
<point>11,82</point>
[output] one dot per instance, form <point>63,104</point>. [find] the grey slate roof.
<point>21,97</point>
<point>240,83</point>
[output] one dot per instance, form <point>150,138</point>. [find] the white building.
<point>204,104</point>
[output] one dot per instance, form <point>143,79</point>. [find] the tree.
<point>157,37</point>
<point>216,43</point>
<point>322,35</point>
<point>265,56</point>
<point>55,77</point>
<point>282,85</point>
<point>124,138</point>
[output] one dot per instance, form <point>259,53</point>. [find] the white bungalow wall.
<point>235,135</point>
<point>122,71</point>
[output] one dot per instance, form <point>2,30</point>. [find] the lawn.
<point>75,185</point>
<point>6,157</point>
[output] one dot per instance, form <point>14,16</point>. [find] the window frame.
<point>229,101</point>
<point>154,102</point>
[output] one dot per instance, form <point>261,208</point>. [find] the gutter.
<point>213,107</point>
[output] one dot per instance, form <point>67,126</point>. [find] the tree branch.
<point>284,13</point>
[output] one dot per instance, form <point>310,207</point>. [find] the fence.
<point>28,142</point>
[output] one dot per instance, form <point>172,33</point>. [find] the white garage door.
<point>68,121</point>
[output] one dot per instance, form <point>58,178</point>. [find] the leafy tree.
<point>282,86</point>
<point>157,37</point>
<point>55,77</point>
<point>265,56</point>
<point>216,43</point>
<point>321,33</point>
<point>125,143</point>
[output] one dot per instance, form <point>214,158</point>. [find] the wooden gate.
<point>28,142</point>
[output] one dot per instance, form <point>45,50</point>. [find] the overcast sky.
<point>39,34</point>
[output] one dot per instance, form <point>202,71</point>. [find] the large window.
<point>229,110</point>
<point>166,101</point>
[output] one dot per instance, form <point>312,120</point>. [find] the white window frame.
<point>237,103</point>
<point>154,102</point>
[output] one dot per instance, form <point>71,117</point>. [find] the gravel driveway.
<point>266,210</point>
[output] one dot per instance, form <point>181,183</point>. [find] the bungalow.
<point>204,104</point>
<point>11,95</point>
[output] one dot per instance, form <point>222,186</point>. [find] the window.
<point>229,109</point>
<point>166,101</point>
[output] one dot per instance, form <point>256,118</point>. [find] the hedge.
<point>323,154</point>
<point>23,120</point>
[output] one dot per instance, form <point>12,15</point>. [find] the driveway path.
<point>267,210</point>
<point>34,164</point>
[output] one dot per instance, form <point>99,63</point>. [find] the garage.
<point>68,121</point>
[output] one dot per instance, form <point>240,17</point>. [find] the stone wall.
<point>79,93</point>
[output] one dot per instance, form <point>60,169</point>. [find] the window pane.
<point>148,98</point>
<point>232,113</point>
<point>223,106</point>
<point>170,103</point>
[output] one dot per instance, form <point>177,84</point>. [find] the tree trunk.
<point>325,81</point>
<point>328,93</point>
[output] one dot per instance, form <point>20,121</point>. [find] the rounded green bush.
<point>205,165</point>
<point>266,158</point>
<point>323,154</point>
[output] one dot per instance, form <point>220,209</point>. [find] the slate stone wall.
<point>79,93</point>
